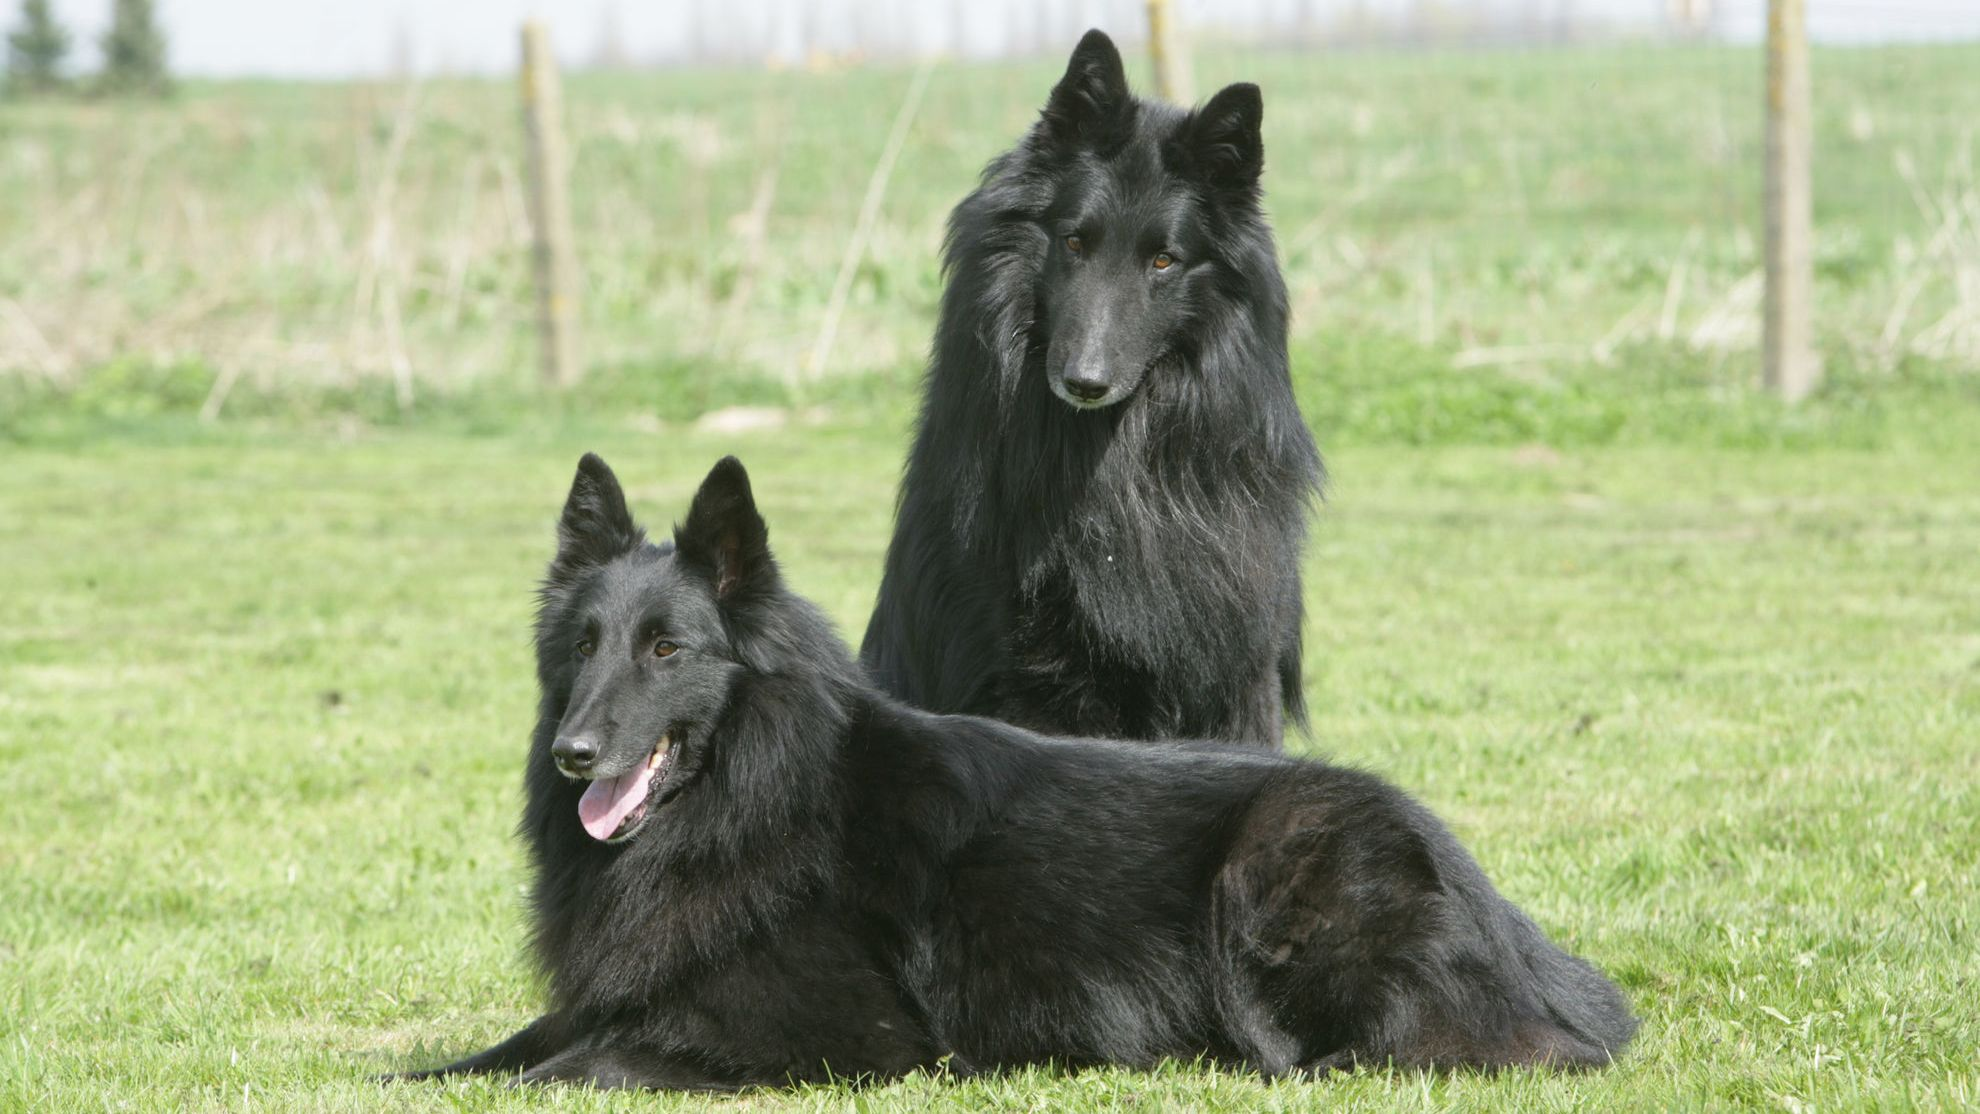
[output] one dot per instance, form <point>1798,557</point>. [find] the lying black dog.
<point>751,868</point>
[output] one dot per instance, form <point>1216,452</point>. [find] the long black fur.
<point>1129,570</point>
<point>831,884</point>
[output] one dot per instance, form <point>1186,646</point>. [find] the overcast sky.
<point>341,38</point>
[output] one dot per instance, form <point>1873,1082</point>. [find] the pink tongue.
<point>606,804</point>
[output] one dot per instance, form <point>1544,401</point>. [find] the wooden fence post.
<point>1172,77</point>
<point>554,257</point>
<point>1790,367</point>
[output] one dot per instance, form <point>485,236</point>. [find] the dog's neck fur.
<point>1072,490</point>
<point>732,853</point>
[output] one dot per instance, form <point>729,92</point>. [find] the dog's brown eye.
<point>1075,245</point>
<point>586,647</point>
<point>1164,261</point>
<point>664,649</point>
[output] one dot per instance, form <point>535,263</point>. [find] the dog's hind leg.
<point>1499,997</point>
<point>536,1043</point>
<point>1376,941</point>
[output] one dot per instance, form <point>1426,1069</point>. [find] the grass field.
<point>1709,714</point>
<point>1696,676</point>
<point>1523,212</point>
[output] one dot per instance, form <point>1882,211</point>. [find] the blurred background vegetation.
<point>1515,243</point>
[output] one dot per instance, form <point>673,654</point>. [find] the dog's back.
<point>1078,901</point>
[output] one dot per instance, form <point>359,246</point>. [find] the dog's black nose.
<point>575,753</point>
<point>1085,390</point>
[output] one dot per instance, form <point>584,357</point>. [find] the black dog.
<point>753,869</point>
<point>1101,519</point>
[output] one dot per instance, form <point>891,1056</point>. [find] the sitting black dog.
<point>752,868</point>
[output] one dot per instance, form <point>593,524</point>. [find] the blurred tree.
<point>35,50</point>
<point>134,51</point>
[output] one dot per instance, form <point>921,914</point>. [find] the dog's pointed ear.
<point>595,526</point>
<point>1091,102</point>
<point>1223,140</point>
<point>724,533</point>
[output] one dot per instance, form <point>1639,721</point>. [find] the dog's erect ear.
<point>596,526</point>
<point>723,532</point>
<point>1091,103</point>
<point>1223,141</point>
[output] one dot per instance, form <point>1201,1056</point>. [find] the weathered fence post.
<point>1790,367</point>
<point>554,257</point>
<point>1172,77</point>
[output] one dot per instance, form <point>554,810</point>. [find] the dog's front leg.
<point>538,1042</point>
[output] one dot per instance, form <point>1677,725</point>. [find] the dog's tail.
<point>1576,997</point>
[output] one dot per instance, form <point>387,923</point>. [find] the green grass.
<point>1695,674</point>
<point>1708,713</point>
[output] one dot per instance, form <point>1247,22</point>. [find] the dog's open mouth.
<point>612,809</point>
